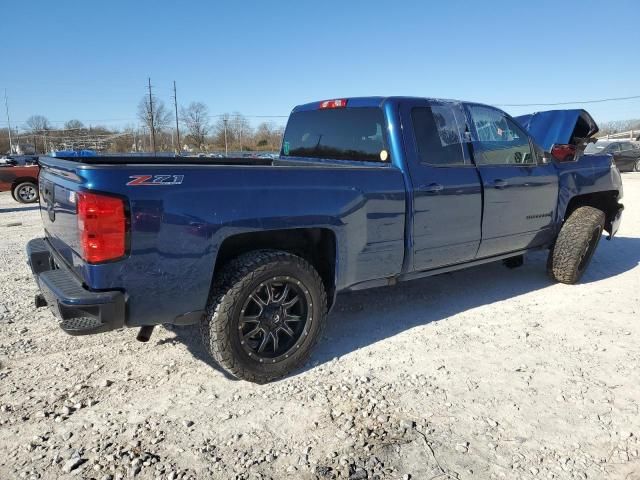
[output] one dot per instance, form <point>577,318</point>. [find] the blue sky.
<point>90,60</point>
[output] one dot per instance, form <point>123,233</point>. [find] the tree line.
<point>198,132</point>
<point>618,126</point>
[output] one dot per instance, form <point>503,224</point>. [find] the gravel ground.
<point>484,373</point>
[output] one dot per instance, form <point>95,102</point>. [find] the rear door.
<point>447,196</point>
<point>520,193</point>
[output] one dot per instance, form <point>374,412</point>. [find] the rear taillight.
<point>102,226</point>
<point>339,103</point>
<point>563,153</point>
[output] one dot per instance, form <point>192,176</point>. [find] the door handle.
<point>499,183</point>
<point>432,188</point>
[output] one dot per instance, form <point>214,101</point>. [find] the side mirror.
<point>545,157</point>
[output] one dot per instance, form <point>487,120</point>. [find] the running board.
<point>383,282</point>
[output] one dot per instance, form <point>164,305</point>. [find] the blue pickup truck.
<point>366,192</point>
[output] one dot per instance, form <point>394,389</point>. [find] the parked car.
<point>626,155</point>
<point>20,177</point>
<point>366,192</point>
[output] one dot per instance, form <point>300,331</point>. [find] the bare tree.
<point>73,125</point>
<point>241,129</point>
<point>617,126</point>
<point>196,118</point>
<point>38,123</point>
<point>268,136</point>
<point>222,131</point>
<point>161,115</point>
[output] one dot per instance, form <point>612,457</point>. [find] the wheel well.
<point>20,180</point>
<point>316,245</point>
<point>606,201</point>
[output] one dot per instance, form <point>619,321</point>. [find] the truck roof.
<point>375,101</point>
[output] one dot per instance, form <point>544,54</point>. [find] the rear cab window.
<point>356,134</point>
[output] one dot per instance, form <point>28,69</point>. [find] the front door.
<point>447,195</point>
<point>520,194</point>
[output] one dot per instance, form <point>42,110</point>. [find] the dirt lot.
<point>484,373</point>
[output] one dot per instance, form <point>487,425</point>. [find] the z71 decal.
<point>155,180</point>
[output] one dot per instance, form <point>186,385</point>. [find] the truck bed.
<point>177,228</point>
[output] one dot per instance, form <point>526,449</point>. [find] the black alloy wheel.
<point>274,319</point>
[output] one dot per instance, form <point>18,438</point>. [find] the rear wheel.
<point>25,192</point>
<point>265,313</point>
<point>575,245</point>
<point>636,166</point>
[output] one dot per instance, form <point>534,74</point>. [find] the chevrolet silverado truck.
<point>366,192</point>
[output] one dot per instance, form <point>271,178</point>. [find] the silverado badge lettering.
<point>155,180</point>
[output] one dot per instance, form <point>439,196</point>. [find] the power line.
<point>574,102</point>
<point>131,119</point>
<point>91,120</point>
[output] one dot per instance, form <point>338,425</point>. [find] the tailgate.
<point>58,186</point>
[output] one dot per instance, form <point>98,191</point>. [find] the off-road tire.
<point>25,185</point>
<point>232,285</point>
<point>575,245</point>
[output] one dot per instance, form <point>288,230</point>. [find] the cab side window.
<point>498,139</point>
<point>438,135</point>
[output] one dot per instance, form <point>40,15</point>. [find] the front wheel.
<point>265,313</point>
<point>26,192</point>
<point>636,166</point>
<point>575,245</point>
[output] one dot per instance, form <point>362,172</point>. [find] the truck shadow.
<point>18,209</point>
<point>360,319</point>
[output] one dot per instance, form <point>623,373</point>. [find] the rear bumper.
<point>79,311</point>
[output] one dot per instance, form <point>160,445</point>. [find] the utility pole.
<point>226,149</point>
<point>153,129</point>
<point>6,106</point>
<point>175,104</point>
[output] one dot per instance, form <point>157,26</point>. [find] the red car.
<point>20,180</point>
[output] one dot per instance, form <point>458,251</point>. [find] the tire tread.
<point>564,257</point>
<point>228,286</point>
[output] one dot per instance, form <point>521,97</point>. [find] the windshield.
<point>597,147</point>
<point>340,133</point>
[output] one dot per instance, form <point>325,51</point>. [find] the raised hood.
<point>566,127</point>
